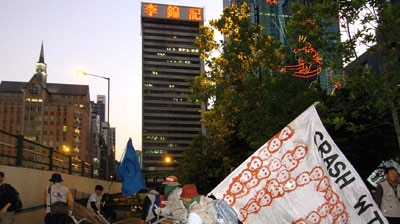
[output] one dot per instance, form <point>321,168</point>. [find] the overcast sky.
<point>100,36</point>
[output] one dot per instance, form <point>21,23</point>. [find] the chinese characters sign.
<point>174,12</point>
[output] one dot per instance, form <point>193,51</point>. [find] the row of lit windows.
<point>149,53</point>
<point>170,145</point>
<point>33,100</point>
<point>182,81</point>
<point>179,62</point>
<point>174,61</point>
<point>155,151</point>
<point>273,15</point>
<point>163,138</point>
<point>179,49</point>
<point>175,99</point>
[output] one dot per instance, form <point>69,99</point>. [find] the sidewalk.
<point>37,216</point>
<point>129,221</point>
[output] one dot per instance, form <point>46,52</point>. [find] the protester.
<point>196,205</point>
<point>94,201</point>
<point>150,204</point>
<point>174,206</point>
<point>387,196</point>
<point>58,194</point>
<point>107,207</point>
<point>8,200</point>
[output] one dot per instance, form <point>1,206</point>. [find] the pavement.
<point>129,221</point>
<point>37,216</point>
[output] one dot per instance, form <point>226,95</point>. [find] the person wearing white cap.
<point>174,206</point>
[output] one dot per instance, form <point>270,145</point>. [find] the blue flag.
<point>129,172</point>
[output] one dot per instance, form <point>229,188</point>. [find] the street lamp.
<point>107,171</point>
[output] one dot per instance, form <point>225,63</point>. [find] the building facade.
<point>169,59</point>
<point>102,137</point>
<point>51,114</point>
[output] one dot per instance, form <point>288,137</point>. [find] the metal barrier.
<point>20,152</point>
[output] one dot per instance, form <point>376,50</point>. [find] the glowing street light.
<point>83,73</point>
<point>168,160</point>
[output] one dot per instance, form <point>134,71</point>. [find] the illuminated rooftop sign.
<point>173,12</point>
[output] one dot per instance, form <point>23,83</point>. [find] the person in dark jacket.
<point>107,207</point>
<point>151,202</point>
<point>8,200</point>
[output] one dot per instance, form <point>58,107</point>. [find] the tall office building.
<point>52,114</point>
<point>169,59</point>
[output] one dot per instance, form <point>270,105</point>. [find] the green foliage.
<point>202,164</point>
<point>249,97</point>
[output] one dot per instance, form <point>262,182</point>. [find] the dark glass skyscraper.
<point>169,59</point>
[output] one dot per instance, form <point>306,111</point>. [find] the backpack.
<point>8,189</point>
<point>58,207</point>
<point>224,213</point>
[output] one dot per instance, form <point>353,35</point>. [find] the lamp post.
<point>107,170</point>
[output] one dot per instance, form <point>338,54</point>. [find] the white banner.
<point>299,176</point>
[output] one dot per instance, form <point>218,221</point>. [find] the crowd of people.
<point>183,203</point>
<point>58,201</point>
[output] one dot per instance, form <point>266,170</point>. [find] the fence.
<point>20,152</point>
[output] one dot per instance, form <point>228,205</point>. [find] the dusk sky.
<point>103,37</point>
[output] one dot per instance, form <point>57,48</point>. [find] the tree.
<point>362,116</point>
<point>379,30</point>
<point>248,95</point>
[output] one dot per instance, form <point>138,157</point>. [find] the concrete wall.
<point>31,184</point>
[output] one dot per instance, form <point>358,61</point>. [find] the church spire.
<point>41,57</point>
<point>41,68</point>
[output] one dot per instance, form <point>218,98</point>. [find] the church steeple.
<point>41,57</point>
<point>41,68</point>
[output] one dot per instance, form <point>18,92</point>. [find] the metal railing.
<point>20,152</point>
